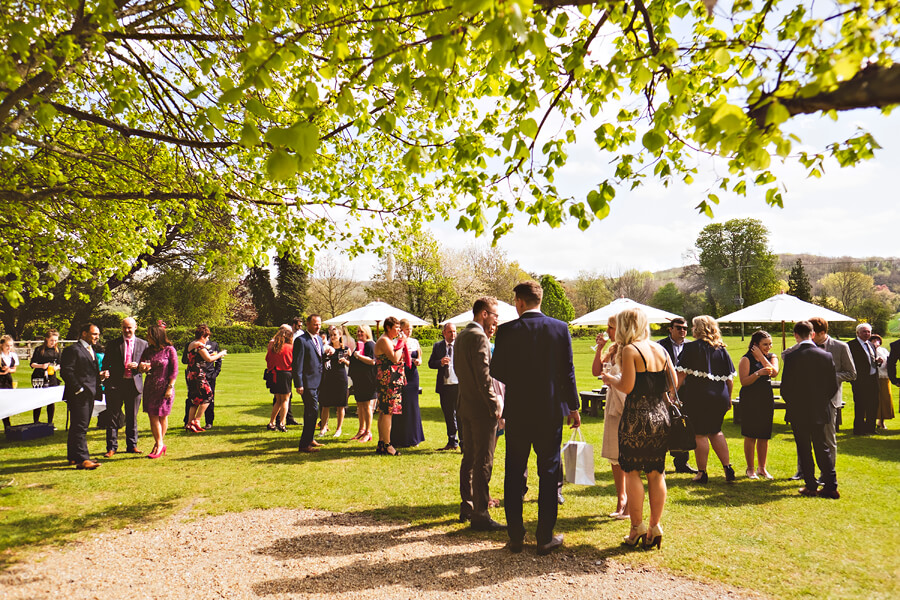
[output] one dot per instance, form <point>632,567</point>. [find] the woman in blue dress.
<point>406,430</point>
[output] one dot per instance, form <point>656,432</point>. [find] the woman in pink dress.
<point>160,364</point>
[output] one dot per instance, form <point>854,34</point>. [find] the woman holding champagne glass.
<point>605,363</point>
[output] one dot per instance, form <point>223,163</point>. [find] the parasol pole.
<point>783,338</point>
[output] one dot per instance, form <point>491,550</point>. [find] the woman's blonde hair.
<point>632,325</point>
<point>706,329</point>
<point>367,331</point>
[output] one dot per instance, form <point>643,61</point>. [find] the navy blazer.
<point>666,343</point>
<point>893,357</point>
<point>808,382</point>
<point>308,364</point>
<point>115,362</point>
<point>439,351</point>
<point>80,371</point>
<point>533,357</point>
<point>860,357</point>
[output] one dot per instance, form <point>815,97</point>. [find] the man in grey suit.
<point>124,387</point>
<point>845,371</point>
<point>478,409</point>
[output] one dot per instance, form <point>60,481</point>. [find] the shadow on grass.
<point>48,529</point>
<point>884,446</point>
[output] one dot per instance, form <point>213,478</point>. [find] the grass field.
<point>754,534</point>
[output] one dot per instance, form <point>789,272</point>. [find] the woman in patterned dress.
<point>646,377</point>
<point>200,393</point>
<point>389,380</point>
<point>705,382</point>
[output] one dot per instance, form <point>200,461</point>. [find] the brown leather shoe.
<point>309,449</point>
<point>71,463</point>
<point>804,491</point>
<point>110,454</point>
<point>133,451</point>
<point>554,543</point>
<point>833,494</point>
<point>88,464</point>
<point>315,444</point>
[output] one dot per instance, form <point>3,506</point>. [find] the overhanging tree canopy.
<point>295,115</point>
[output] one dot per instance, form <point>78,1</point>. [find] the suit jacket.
<point>845,369</point>
<point>861,361</point>
<point>115,362</point>
<point>666,343</point>
<point>472,363</point>
<point>808,384</point>
<point>533,357</point>
<point>80,371</point>
<point>308,363</point>
<point>893,357</point>
<point>439,351</point>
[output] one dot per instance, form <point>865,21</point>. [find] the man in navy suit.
<point>865,386</point>
<point>673,344</point>
<point>808,383</point>
<point>307,373</point>
<point>533,357</point>
<point>80,370</point>
<point>447,383</point>
<point>893,357</point>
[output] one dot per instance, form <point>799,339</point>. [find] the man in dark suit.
<point>307,374</point>
<point>212,370</point>
<point>865,386</point>
<point>447,385</point>
<point>533,357</point>
<point>79,369</point>
<point>893,357</point>
<point>673,344</point>
<point>808,383</point>
<point>479,411</point>
<point>124,387</point>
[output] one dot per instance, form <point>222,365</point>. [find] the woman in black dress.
<point>406,429</point>
<point>362,372</point>
<point>646,377</point>
<point>45,362</point>
<point>705,381</point>
<point>333,391</point>
<point>756,369</point>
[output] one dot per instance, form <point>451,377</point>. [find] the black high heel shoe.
<point>636,535</point>
<point>381,448</point>
<point>701,477</point>
<point>388,448</point>
<point>729,474</point>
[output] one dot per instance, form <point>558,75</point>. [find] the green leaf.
<point>231,96</point>
<point>777,113</point>
<point>653,140</point>
<point>249,135</point>
<point>529,128</point>
<point>281,165</point>
<point>729,118</point>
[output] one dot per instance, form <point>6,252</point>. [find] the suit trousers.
<point>210,413</point>
<point>476,467</point>
<point>680,459</point>
<point>124,395</point>
<point>865,403</point>
<point>310,416</point>
<point>811,439</point>
<point>546,439</point>
<point>449,397</point>
<point>80,408</point>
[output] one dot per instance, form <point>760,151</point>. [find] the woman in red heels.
<point>160,364</point>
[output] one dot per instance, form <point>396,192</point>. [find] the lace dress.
<point>644,426</point>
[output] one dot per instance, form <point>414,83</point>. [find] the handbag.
<point>578,458</point>
<point>681,430</point>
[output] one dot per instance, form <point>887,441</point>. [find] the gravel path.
<point>312,554</point>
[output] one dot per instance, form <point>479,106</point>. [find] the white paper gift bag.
<point>578,458</point>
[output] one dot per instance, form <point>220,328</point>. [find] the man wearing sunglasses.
<point>673,345</point>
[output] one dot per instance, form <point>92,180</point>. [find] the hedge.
<point>234,338</point>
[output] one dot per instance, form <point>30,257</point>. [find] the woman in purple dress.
<point>160,364</point>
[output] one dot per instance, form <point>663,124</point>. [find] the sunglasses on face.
<point>679,327</point>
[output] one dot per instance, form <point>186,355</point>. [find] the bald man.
<point>123,388</point>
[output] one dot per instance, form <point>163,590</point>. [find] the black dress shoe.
<point>554,543</point>
<point>515,546</point>
<point>797,476</point>
<point>489,525</point>
<point>449,447</point>
<point>291,421</point>
<point>685,469</point>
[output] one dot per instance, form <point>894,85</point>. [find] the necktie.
<point>318,349</point>
<point>871,354</point>
<point>822,346</point>
<point>128,352</point>
<point>450,350</point>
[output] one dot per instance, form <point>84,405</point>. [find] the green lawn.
<point>756,534</point>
